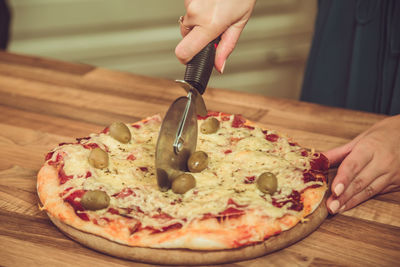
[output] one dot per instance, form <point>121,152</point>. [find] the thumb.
<point>337,155</point>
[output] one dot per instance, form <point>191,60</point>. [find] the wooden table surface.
<point>45,102</point>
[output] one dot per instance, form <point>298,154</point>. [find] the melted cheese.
<point>250,154</point>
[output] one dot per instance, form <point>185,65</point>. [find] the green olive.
<point>209,126</point>
<point>120,132</point>
<point>267,183</point>
<point>198,161</point>
<point>98,158</point>
<point>95,200</point>
<point>183,183</point>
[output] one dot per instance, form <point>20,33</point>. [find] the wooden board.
<point>45,102</point>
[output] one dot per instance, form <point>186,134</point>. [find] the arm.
<point>369,165</point>
<point>206,20</point>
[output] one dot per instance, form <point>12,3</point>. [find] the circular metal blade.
<point>201,108</point>
<point>169,162</point>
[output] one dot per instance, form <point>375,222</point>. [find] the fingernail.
<point>342,209</point>
<point>223,67</point>
<point>334,206</point>
<point>339,189</point>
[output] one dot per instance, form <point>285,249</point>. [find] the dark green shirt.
<point>354,60</point>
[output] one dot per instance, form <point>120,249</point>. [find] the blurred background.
<point>140,37</point>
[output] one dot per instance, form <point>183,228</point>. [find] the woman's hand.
<point>369,165</point>
<point>205,20</point>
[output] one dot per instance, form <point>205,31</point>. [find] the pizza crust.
<point>197,257</point>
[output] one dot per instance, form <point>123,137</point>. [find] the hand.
<point>207,19</point>
<point>369,165</point>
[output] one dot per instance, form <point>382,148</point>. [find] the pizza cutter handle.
<point>198,70</point>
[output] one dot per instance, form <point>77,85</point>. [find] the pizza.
<point>245,186</point>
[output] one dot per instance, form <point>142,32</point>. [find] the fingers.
<point>376,186</point>
<point>355,161</point>
<point>193,42</point>
<point>361,181</point>
<point>226,46</point>
<point>346,190</point>
<point>337,155</point>
<point>351,166</point>
<point>196,39</point>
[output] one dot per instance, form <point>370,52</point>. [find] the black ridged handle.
<point>198,70</point>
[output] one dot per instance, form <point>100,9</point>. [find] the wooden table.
<point>45,102</point>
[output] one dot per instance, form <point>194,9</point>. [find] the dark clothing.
<point>354,60</point>
<point>5,18</point>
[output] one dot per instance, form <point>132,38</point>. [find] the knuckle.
<point>370,191</point>
<point>358,184</point>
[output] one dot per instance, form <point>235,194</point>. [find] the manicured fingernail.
<point>223,67</point>
<point>339,189</point>
<point>334,206</point>
<point>342,209</point>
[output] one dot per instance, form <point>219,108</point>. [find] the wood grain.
<point>45,102</point>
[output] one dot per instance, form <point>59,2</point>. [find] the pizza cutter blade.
<point>177,138</point>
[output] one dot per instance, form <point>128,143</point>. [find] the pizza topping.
<point>131,157</point>
<point>249,179</point>
<point>238,121</point>
<point>57,160</point>
<point>198,161</point>
<point>105,130</point>
<point>209,126</point>
<point>267,183</point>
<point>90,145</point>
<point>62,176</point>
<point>311,176</point>
<point>249,127</point>
<point>95,200</point>
<point>49,155</point>
<point>209,114</point>
<point>120,132</point>
<point>98,158</point>
<point>320,163</point>
<point>272,137</point>
<point>137,126</point>
<point>73,200</point>
<point>80,139</point>
<point>124,193</point>
<point>183,183</point>
<point>294,198</point>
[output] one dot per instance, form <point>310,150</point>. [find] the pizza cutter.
<point>177,138</point>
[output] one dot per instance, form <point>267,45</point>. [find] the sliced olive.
<point>120,132</point>
<point>267,183</point>
<point>183,183</point>
<point>198,161</point>
<point>98,158</point>
<point>95,200</point>
<point>209,126</point>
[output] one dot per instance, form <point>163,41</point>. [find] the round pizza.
<point>247,191</point>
